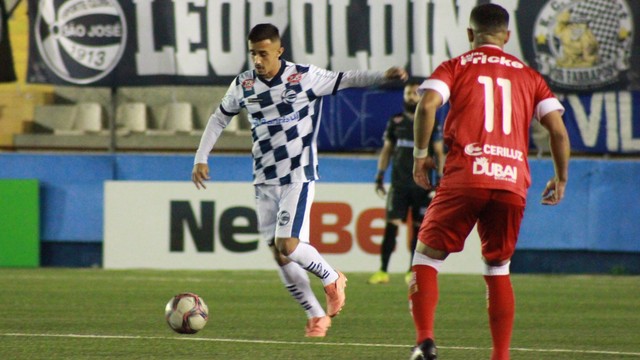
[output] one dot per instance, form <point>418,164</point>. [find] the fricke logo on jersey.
<point>583,44</point>
<point>81,41</point>
<point>283,218</point>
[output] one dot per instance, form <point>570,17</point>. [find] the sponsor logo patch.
<point>289,96</point>
<point>248,84</point>
<point>482,166</point>
<point>283,218</point>
<point>294,79</point>
<point>474,149</point>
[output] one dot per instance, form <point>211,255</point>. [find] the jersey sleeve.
<point>361,78</point>
<point>322,81</point>
<point>229,107</point>
<point>545,100</point>
<point>440,80</point>
<point>230,104</point>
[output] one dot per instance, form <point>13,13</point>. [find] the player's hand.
<point>380,190</point>
<point>421,167</point>
<point>553,192</point>
<point>199,174</point>
<point>396,73</point>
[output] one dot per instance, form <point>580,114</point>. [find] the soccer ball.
<point>186,313</point>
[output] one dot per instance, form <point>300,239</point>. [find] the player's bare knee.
<point>496,262</point>
<point>286,245</point>
<point>431,252</point>
<point>280,259</point>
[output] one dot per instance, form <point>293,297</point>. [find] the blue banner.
<point>603,122</point>
<point>599,212</point>
<point>597,123</point>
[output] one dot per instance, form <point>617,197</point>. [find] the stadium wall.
<point>594,230</point>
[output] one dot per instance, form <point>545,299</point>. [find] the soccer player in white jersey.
<point>284,101</point>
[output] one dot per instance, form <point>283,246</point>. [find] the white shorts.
<point>283,210</point>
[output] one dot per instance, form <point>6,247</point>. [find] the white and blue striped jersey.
<point>285,114</point>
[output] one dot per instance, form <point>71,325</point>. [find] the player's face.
<point>411,97</point>
<point>265,55</point>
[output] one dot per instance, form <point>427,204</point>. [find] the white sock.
<point>310,259</point>
<point>422,259</point>
<point>296,280</point>
<point>497,270</point>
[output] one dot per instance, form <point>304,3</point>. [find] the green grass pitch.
<point>107,314</point>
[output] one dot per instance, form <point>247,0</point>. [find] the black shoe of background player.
<point>425,351</point>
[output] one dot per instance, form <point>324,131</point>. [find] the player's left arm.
<point>396,73</point>
<point>360,78</point>
<point>560,153</point>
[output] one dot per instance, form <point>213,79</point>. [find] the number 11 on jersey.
<point>489,103</point>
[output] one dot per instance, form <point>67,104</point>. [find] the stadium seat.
<point>88,117</point>
<point>175,117</point>
<point>179,117</point>
<point>79,119</point>
<point>131,117</point>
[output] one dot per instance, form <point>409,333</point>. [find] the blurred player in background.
<point>283,101</point>
<point>493,96</point>
<point>403,194</point>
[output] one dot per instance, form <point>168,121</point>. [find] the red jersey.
<point>493,97</point>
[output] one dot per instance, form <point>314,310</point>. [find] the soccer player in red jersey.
<point>493,97</point>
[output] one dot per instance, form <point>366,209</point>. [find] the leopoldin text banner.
<point>576,45</point>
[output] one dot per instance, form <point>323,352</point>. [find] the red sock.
<point>501,308</point>
<point>424,299</point>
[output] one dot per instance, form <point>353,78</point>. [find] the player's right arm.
<point>217,122</point>
<point>560,153</point>
<point>220,118</point>
<point>422,130</point>
<point>199,174</point>
<point>440,156</point>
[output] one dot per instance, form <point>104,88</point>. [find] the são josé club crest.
<point>81,41</point>
<point>583,44</point>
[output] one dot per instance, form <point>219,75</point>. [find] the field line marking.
<point>279,342</point>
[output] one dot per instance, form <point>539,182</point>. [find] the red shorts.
<point>453,213</point>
